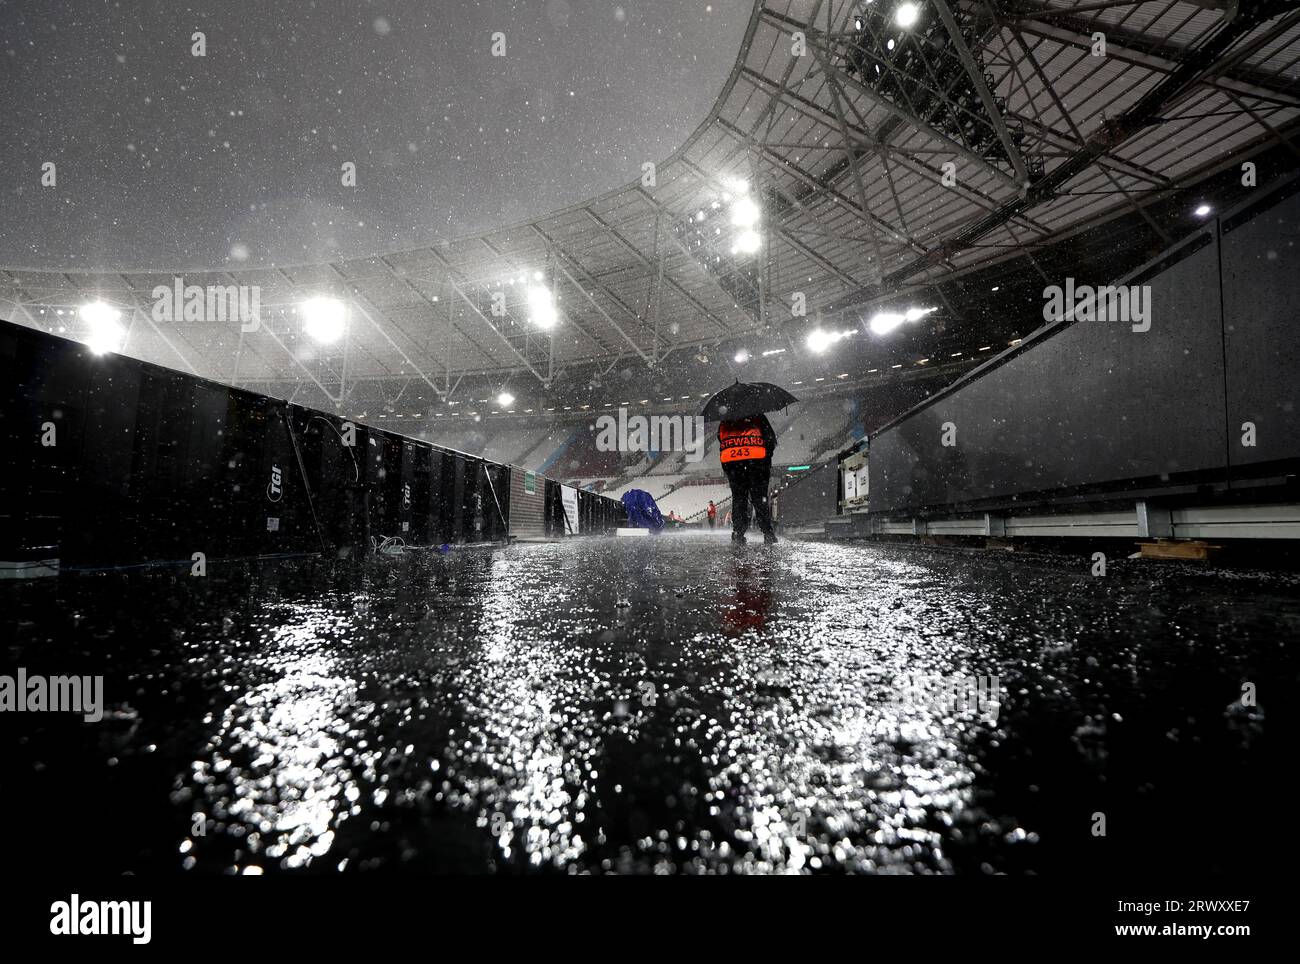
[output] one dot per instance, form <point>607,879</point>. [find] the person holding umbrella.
<point>746,442</point>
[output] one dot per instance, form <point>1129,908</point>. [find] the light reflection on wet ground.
<point>659,706</point>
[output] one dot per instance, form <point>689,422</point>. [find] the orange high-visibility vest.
<point>741,440</point>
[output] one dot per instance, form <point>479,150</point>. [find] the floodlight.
<point>744,213</point>
<point>747,242</point>
<point>105,333</point>
<point>819,340</point>
<point>541,306</point>
<point>323,319</point>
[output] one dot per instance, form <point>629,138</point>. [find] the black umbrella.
<point>745,399</point>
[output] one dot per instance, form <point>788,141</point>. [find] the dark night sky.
<point>173,161</point>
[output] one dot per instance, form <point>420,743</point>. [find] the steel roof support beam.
<point>550,251</point>
<point>139,310</point>
<point>559,263</point>
<point>361,301</point>
<point>636,253</point>
<point>1125,46</point>
<point>819,40</point>
<point>293,286</point>
<point>846,145</point>
<point>784,232</point>
<point>1288,143</point>
<point>561,258</point>
<point>982,88</point>
<point>406,358</point>
<point>899,155</point>
<point>500,334</point>
<point>1110,136</point>
<point>1078,136</point>
<point>789,167</point>
<point>337,400</point>
<point>423,296</point>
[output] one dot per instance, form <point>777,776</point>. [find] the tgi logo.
<point>406,495</point>
<point>274,492</point>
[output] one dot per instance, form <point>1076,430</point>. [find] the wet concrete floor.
<point>661,706</point>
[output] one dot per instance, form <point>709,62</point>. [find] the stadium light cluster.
<point>105,333</point>
<point>819,339</point>
<point>324,319</point>
<point>541,306</point>
<point>745,216</point>
<point>883,322</point>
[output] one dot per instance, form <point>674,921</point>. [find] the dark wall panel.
<point>421,470</point>
<point>813,498</point>
<point>497,499</point>
<point>1089,403</point>
<point>41,384</point>
<point>153,465</point>
<point>1261,271</point>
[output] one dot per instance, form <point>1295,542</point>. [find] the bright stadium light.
<point>541,306</point>
<point>744,213</point>
<point>882,323</point>
<point>905,14</point>
<point>505,399</point>
<point>323,319</point>
<point>747,242</point>
<point>819,340</point>
<point>742,356</point>
<point>1203,210</point>
<point>105,333</point>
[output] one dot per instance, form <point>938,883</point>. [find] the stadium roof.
<point>881,158</point>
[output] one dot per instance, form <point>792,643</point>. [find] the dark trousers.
<point>749,480</point>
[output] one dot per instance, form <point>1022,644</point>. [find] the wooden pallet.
<point>1189,549</point>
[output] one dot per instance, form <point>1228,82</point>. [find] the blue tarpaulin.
<point>642,513</point>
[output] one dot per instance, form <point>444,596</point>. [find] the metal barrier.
<point>1199,399</point>
<point>117,462</point>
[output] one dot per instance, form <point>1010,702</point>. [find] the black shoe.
<point>738,537</point>
<point>769,538</point>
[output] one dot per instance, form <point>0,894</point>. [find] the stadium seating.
<point>693,498</point>
<point>807,433</point>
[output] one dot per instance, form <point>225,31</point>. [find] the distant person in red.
<point>745,447</point>
<point>713,515</point>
